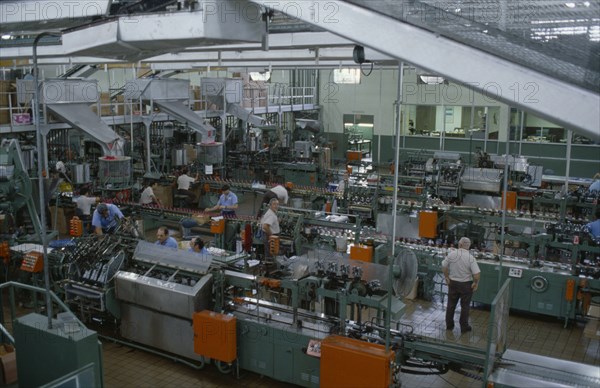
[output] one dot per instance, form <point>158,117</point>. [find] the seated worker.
<point>148,197</point>
<point>280,192</point>
<point>594,226</point>
<point>163,238</point>
<point>106,218</point>
<point>197,245</point>
<point>227,203</point>
<point>183,186</point>
<point>84,203</point>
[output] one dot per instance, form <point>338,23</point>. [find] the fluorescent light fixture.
<point>262,76</point>
<point>6,37</point>
<point>432,79</point>
<point>368,125</point>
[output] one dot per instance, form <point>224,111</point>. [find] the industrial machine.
<point>18,210</point>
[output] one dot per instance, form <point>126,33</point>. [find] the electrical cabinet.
<point>46,354</point>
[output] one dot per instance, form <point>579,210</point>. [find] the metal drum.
<point>254,143</point>
<point>210,153</point>
<point>179,158</point>
<point>81,173</point>
<point>28,154</point>
<point>114,172</point>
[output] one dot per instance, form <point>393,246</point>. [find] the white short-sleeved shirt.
<point>282,194</point>
<point>270,218</point>
<point>461,265</point>
<point>84,203</point>
<point>184,181</point>
<point>147,196</point>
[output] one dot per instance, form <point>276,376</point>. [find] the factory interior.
<point>387,130</point>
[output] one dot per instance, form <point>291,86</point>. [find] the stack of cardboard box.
<point>8,369</point>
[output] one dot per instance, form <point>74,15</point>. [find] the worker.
<point>280,192</point>
<point>594,226</point>
<point>462,276</point>
<point>84,203</point>
<point>106,218</point>
<point>184,181</point>
<point>595,186</point>
<point>148,197</point>
<point>163,238</point>
<point>227,203</point>
<point>197,245</point>
<point>270,224</point>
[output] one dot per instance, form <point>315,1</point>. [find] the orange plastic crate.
<point>361,252</point>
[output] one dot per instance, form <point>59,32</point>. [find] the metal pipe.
<point>40,146</point>
<point>521,134</point>
<point>568,167</point>
<point>504,200</point>
<point>394,205</point>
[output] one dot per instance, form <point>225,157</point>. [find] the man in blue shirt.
<point>163,238</point>
<point>595,186</point>
<point>197,245</point>
<point>594,226</point>
<point>227,203</point>
<point>106,218</point>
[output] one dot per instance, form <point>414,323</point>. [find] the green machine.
<point>46,354</point>
<point>15,186</point>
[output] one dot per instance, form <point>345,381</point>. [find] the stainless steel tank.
<point>81,173</point>
<point>254,142</point>
<point>28,154</point>
<point>179,158</point>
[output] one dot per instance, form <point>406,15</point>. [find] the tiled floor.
<point>127,367</point>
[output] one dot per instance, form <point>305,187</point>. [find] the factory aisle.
<point>127,367</point>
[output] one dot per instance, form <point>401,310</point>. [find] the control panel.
<point>33,262</point>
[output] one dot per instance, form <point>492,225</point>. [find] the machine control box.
<point>515,273</point>
<point>33,262</point>
<point>215,335</point>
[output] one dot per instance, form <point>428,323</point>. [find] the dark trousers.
<point>464,292</point>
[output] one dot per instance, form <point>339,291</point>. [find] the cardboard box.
<point>8,359</point>
<point>201,219</point>
<point>164,195</point>
<point>62,217</point>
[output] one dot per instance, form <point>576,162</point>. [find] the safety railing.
<point>35,292</point>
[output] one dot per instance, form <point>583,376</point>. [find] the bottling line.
<point>325,306</point>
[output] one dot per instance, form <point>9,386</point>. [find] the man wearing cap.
<point>227,203</point>
<point>280,192</point>
<point>106,218</point>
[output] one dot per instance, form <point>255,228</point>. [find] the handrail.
<point>12,285</point>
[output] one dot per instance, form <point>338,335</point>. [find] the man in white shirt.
<point>183,186</point>
<point>148,197</point>
<point>462,276</point>
<point>280,192</point>
<point>270,224</point>
<point>84,203</point>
